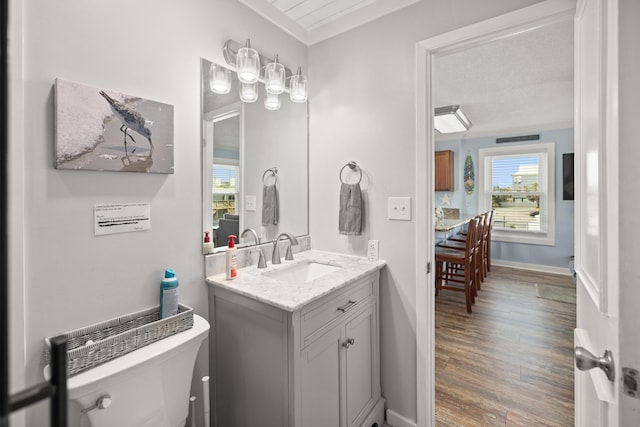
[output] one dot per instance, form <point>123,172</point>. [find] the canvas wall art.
<point>99,129</point>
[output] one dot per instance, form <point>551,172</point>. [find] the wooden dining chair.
<point>487,241</point>
<point>459,243</point>
<point>455,267</point>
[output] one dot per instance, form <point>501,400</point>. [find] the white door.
<point>596,209</point>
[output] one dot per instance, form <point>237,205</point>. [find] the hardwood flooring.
<point>510,362</point>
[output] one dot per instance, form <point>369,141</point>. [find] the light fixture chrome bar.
<point>230,52</point>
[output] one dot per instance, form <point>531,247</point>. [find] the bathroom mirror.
<point>241,143</point>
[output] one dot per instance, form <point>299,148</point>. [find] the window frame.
<point>548,196</point>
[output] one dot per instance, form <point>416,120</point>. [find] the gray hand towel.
<point>350,218</point>
<point>270,208</point>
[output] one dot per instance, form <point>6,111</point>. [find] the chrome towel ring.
<point>353,166</point>
<point>274,173</point>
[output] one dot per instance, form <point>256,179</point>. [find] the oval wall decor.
<point>469,175</point>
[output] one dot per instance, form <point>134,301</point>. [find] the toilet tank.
<point>147,387</point>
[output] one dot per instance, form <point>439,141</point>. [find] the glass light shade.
<point>248,92</point>
<point>248,64</point>
<point>298,90</point>
<point>274,77</point>
<point>272,101</point>
<point>219,79</point>
<point>450,119</point>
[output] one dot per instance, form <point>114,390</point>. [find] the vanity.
<point>297,344</point>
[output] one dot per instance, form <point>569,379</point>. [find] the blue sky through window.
<point>504,167</point>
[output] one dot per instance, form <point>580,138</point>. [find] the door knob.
<point>348,343</point>
<point>585,360</point>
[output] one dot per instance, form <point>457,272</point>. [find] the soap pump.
<point>231,258</point>
<point>207,245</point>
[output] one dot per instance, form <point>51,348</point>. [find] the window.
<point>224,191</point>
<point>518,182</point>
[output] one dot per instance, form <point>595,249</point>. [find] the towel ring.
<point>274,172</point>
<point>353,166</point>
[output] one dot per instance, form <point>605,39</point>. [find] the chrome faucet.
<point>262,262</point>
<point>253,232</point>
<point>275,257</point>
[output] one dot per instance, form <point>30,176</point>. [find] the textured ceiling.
<point>517,84</point>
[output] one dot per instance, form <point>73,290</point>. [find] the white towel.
<point>270,207</point>
<point>350,216</point>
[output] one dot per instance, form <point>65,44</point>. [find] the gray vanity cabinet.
<point>314,367</point>
<point>340,363</point>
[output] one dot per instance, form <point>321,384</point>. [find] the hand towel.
<point>270,205</point>
<point>350,217</point>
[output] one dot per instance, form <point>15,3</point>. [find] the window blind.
<point>224,179</point>
<point>518,192</point>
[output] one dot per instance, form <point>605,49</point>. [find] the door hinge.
<point>428,267</point>
<point>631,382</point>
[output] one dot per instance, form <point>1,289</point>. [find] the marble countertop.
<point>292,296</point>
<point>450,224</point>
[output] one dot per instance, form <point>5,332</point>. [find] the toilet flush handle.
<point>103,402</point>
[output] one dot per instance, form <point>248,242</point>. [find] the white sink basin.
<point>302,272</point>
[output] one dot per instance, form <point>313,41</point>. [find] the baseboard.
<point>396,420</point>
<point>376,415</point>
<point>532,267</point>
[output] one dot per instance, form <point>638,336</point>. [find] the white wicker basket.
<point>90,346</point>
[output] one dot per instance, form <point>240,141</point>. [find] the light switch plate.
<point>372,250</point>
<point>399,208</point>
<point>250,203</point>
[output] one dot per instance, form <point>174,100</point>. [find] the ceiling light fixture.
<point>298,90</point>
<point>274,75</point>
<point>248,64</point>
<point>219,79</point>
<point>450,119</point>
<point>271,101</point>
<point>248,92</point>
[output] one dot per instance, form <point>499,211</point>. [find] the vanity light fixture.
<point>450,119</point>
<point>219,79</point>
<point>248,64</point>
<point>298,89</point>
<point>271,101</point>
<point>274,75</point>
<point>248,92</point>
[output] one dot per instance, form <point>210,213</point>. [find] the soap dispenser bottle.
<point>231,258</point>
<point>207,245</point>
<point>169,294</point>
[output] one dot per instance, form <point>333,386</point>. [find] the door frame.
<point>522,20</point>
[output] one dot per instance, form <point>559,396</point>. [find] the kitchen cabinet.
<point>317,366</point>
<point>444,170</point>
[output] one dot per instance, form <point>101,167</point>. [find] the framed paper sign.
<point>99,129</point>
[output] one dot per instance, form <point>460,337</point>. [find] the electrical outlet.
<point>399,208</point>
<point>372,250</point>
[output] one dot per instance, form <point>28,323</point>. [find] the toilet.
<point>147,387</point>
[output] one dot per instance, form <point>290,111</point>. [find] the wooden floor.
<point>510,362</point>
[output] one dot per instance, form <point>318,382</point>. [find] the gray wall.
<point>551,256</point>
<point>146,48</point>
<point>362,108</point>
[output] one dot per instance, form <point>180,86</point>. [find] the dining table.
<point>448,226</point>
